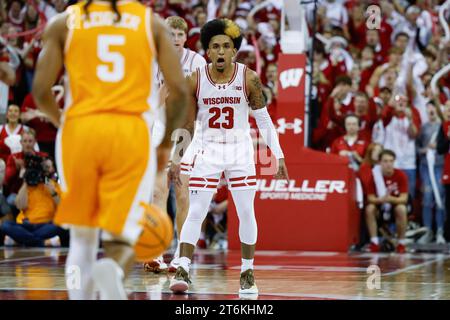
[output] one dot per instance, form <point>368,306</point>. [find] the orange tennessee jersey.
<point>110,65</point>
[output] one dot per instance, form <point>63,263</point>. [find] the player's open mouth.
<point>220,62</point>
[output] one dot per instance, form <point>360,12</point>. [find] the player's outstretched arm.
<point>48,67</point>
<point>185,137</point>
<point>263,121</point>
<point>169,63</point>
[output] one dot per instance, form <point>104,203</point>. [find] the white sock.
<point>202,235</point>
<point>80,260</point>
<point>184,263</point>
<point>374,240</point>
<point>402,241</point>
<point>246,264</point>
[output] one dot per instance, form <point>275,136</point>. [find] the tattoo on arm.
<point>256,97</point>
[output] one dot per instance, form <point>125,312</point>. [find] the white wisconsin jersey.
<point>190,61</point>
<point>223,109</point>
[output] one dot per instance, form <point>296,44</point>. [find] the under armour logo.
<point>291,77</point>
<point>221,86</point>
<point>283,126</point>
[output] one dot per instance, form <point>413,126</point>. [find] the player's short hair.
<point>176,22</point>
<point>387,152</point>
<point>220,27</point>
<point>113,4</point>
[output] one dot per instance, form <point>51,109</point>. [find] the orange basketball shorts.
<point>104,163</point>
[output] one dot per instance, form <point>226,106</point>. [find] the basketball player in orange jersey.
<point>190,61</point>
<point>104,156</point>
<point>225,91</point>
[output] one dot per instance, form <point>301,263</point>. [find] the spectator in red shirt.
<point>367,66</point>
<point>394,200</point>
<point>15,166</point>
<point>11,127</point>
<point>366,111</point>
<point>337,105</point>
<point>351,145</point>
<point>387,74</point>
<point>35,119</point>
<point>373,41</point>
<point>357,26</point>
<point>323,73</point>
<point>371,159</point>
<point>341,101</point>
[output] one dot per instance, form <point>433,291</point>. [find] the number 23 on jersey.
<point>216,113</point>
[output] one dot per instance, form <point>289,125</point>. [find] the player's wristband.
<point>268,131</point>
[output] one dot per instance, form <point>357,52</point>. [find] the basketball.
<point>157,233</point>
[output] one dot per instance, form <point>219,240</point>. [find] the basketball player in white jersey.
<point>225,91</point>
<point>190,61</point>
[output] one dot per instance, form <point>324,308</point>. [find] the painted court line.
<point>415,266</point>
<point>22,259</point>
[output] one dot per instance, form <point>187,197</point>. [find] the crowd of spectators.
<point>371,90</point>
<point>377,80</point>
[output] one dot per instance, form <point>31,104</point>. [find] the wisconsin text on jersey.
<point>222,100</point>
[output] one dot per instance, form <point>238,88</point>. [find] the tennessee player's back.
<point>110,60</point>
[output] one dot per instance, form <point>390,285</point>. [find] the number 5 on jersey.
<point>109,57</point>
<point>228,112</point>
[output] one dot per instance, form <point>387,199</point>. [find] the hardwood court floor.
<point>39,274</point>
